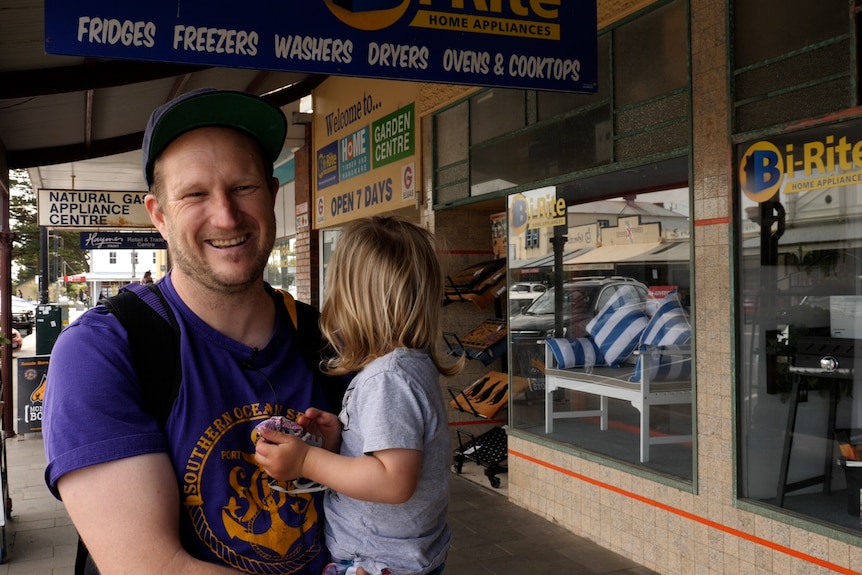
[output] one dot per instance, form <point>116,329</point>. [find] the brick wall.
<point>307,239</point>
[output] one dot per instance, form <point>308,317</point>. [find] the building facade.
<point>710,183</point>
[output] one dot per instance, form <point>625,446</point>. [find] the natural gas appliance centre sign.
<point>92,209</point>
<point>530,44</point>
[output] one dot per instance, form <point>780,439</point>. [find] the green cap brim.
<point>250,114</point>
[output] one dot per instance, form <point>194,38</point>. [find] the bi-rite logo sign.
<point>536,209</point>
<point>368,14</point>
<point>540,19</point>
<point>799,166</point>
<point>761,171</point>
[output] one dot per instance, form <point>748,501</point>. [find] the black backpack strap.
<point>153,333</point>
<point>84,564</point>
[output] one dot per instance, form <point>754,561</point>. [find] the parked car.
<point>23,316</point>
<point>523,294</point>
<point>582,300</point>
<point>16,339</point>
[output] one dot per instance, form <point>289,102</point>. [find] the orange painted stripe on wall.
<point>685,514</point>
<point>712,222</point>
<point>477,422</point>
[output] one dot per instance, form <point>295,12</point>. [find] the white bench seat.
<point>607,382</point>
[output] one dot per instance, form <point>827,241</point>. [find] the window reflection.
<point>580,354</point>
<point>800,408</point>
<point>281,269</point>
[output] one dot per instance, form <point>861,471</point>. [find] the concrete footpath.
<point>40,539</point>
<point>490,534</point>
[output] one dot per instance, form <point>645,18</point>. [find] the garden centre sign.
<point>529,44</point>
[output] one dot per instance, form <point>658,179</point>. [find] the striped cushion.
<point>579,352</point>
<point>617,328</point>
<point>670,363</point>
<point>669,325</point>
<point>668,333</point>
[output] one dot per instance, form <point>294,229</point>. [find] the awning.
<point>545,260</point>
<point>670,252</point>
<point>612,254</point>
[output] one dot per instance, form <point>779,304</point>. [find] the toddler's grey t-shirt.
<point>395,403</point>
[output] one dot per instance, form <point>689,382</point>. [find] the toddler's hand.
<point>281,455</point>
<point>324,425</point>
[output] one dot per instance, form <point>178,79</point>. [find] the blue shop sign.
<point>528,44</point>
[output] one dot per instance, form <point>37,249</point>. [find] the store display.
<point>481,283</point>
<point>484,397</point>
<point>486,342</point>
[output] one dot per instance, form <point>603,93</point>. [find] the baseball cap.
<point>245,112</point>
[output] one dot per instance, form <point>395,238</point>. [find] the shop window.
<point>602,359</point>
<point>551,104</point>
<point>531,239</point>
<point>650,55</point>
<point>548,150</point>
<point>451,136</point>
<point>792,60</point>
<point>451,145</point>
<point>499,139</point>
<point>496,112</point>
<point>281,269</point>
<point>800,323</point>
<point>328,241</point>
<point>769,29</point>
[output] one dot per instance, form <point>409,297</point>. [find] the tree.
<point>23,221</point>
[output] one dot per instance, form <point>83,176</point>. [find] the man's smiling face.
<point>215,208</point>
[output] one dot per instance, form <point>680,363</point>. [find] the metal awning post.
<point>6,238</point>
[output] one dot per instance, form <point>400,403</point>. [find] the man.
<point>189,498</point>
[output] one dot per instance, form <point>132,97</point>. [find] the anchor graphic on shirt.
<point>262,505</point>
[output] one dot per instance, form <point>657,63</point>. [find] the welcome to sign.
<point>529,44</point>
<point>366,149</point>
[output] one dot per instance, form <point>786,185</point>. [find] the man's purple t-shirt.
<point>230,515</point>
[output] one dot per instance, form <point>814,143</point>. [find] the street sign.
<point>122,241</point>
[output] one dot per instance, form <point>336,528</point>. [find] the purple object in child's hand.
<point>280,423</point>
<point>285,425</point>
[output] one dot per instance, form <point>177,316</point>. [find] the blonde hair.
<point>384,290</point>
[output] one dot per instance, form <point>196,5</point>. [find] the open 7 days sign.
<point>530,44</point>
